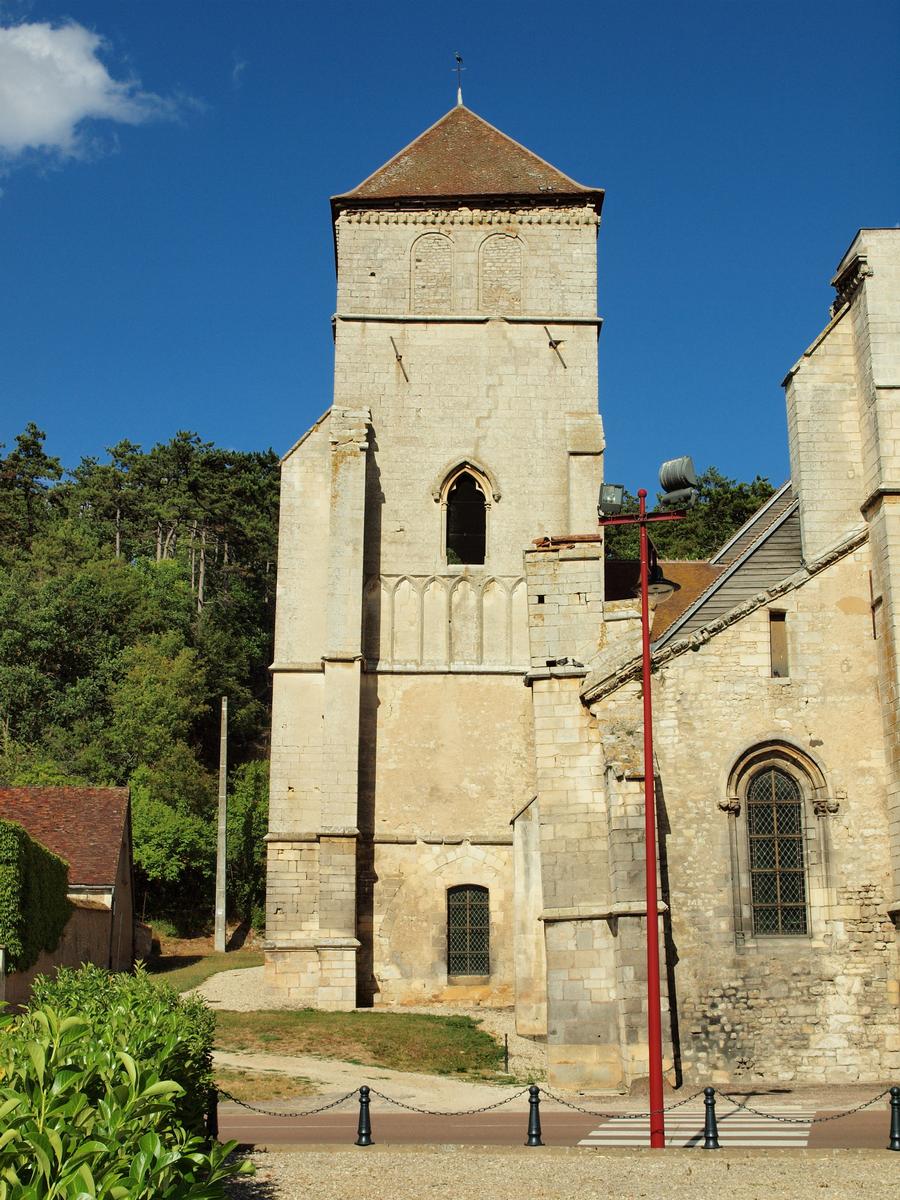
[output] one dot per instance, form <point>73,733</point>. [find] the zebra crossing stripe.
<point>685,1130</point>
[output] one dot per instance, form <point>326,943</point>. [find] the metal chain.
<point>620,1115</point>
<point>757,1112</point>
<point>271,1112</point>
<point>610,1116</point>
<point>462,1112</point>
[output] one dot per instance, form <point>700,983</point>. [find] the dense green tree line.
<point>135,592</point>
<point>723,505</point>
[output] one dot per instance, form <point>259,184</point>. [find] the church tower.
<point>464,425</point>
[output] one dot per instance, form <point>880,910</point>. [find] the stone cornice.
<point>848,281</point>
<point>471,216</point>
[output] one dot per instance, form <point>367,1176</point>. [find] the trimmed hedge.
<point>34,907</point>
<point>81,1118</point>
<point>147,1020</point>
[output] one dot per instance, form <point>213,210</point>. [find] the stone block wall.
<point>820,1007</point>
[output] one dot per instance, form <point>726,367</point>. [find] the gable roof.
<point>85,826</point>
<point>610,671</point>
<point>463,157</point>
<point>766,551</point>
<point>764,517</point>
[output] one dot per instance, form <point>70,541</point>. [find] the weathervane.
<point>459,68</point>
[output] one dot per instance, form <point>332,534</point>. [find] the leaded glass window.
<point>777,868</point>
<point>468,931</point>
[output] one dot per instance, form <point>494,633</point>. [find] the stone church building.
<point>456,789</point>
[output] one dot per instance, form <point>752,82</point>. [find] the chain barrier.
<point>624,1116</point>
<point>758,1112</point>
<point>462,1112</point>
<point>271,1112</point>
<point>545,1093</point>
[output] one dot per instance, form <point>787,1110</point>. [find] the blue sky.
<point>167,264</point>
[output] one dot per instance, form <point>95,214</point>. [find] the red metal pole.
<point>654,1016</point>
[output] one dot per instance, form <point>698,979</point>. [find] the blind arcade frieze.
<point>451,621</point>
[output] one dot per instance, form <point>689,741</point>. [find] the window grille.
<point>468,931</point>
<point>777,869</point>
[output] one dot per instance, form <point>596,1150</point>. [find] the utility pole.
<point>221,838</point>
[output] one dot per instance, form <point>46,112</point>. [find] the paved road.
<point>867,1130</point>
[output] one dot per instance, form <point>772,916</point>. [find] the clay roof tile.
<point>83,825</point>
<point>462,156</point>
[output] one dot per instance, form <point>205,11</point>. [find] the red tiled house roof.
<point>85,826</point>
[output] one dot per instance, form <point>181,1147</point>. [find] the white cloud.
<point>52,80</point>
<point>237,71</point>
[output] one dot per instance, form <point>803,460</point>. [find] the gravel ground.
<point>454,1173</point>
<point>247,991</point>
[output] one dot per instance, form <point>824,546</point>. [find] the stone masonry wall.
<point>822,1007</point>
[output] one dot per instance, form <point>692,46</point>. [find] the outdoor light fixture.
<point>611,499</point>
<point>678,481</point>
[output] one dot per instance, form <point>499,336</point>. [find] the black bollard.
<point>534,1116</point>
<point>364,1128</point>
<point>710,1127</point>
<point>894,1143</point>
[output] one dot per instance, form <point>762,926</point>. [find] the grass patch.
<point>436,1045</point>
<point>262,1085</point>
<point>186,971</point>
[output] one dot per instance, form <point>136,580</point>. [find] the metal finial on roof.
<point>459,68</point>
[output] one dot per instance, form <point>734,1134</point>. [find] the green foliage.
<point>145,1018</point>
<point>248,822</point>
<point>25,476</point>
<point>722,508</point>
<point>85,1116</point>
<point>136,592</point>
<point>34,908</point>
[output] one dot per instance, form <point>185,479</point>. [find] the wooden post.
<point>221,838</point>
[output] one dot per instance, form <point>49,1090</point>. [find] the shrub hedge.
<point>34,908</point>
<point>81,1117</point>
<point>145,1019</point>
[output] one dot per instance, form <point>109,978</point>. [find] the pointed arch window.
<point>466,538</point>
<point>777,861</point>
<point>779,804</point>
<point>468,930</point>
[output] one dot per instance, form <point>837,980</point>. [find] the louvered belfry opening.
<point>466,521</point>
<point>777,867</point>
<point>468,931</point>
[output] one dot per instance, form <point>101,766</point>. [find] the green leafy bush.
<point>81,1117</point>
<point>145,1019</point>
<point>34,907</point>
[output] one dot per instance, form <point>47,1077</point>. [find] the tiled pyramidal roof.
<point>83,825</point>
<point>462,156</point>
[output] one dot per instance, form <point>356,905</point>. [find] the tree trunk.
<point>201,578</point>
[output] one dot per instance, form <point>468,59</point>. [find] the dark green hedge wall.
<point>33,904</point>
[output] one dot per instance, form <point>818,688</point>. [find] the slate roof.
<point>753,528</point>
<point>462,156</point>
<point>84,826</point>
<point>766,550</point>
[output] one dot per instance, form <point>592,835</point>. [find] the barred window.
<point>777,867</point>
<point>468,931</point>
